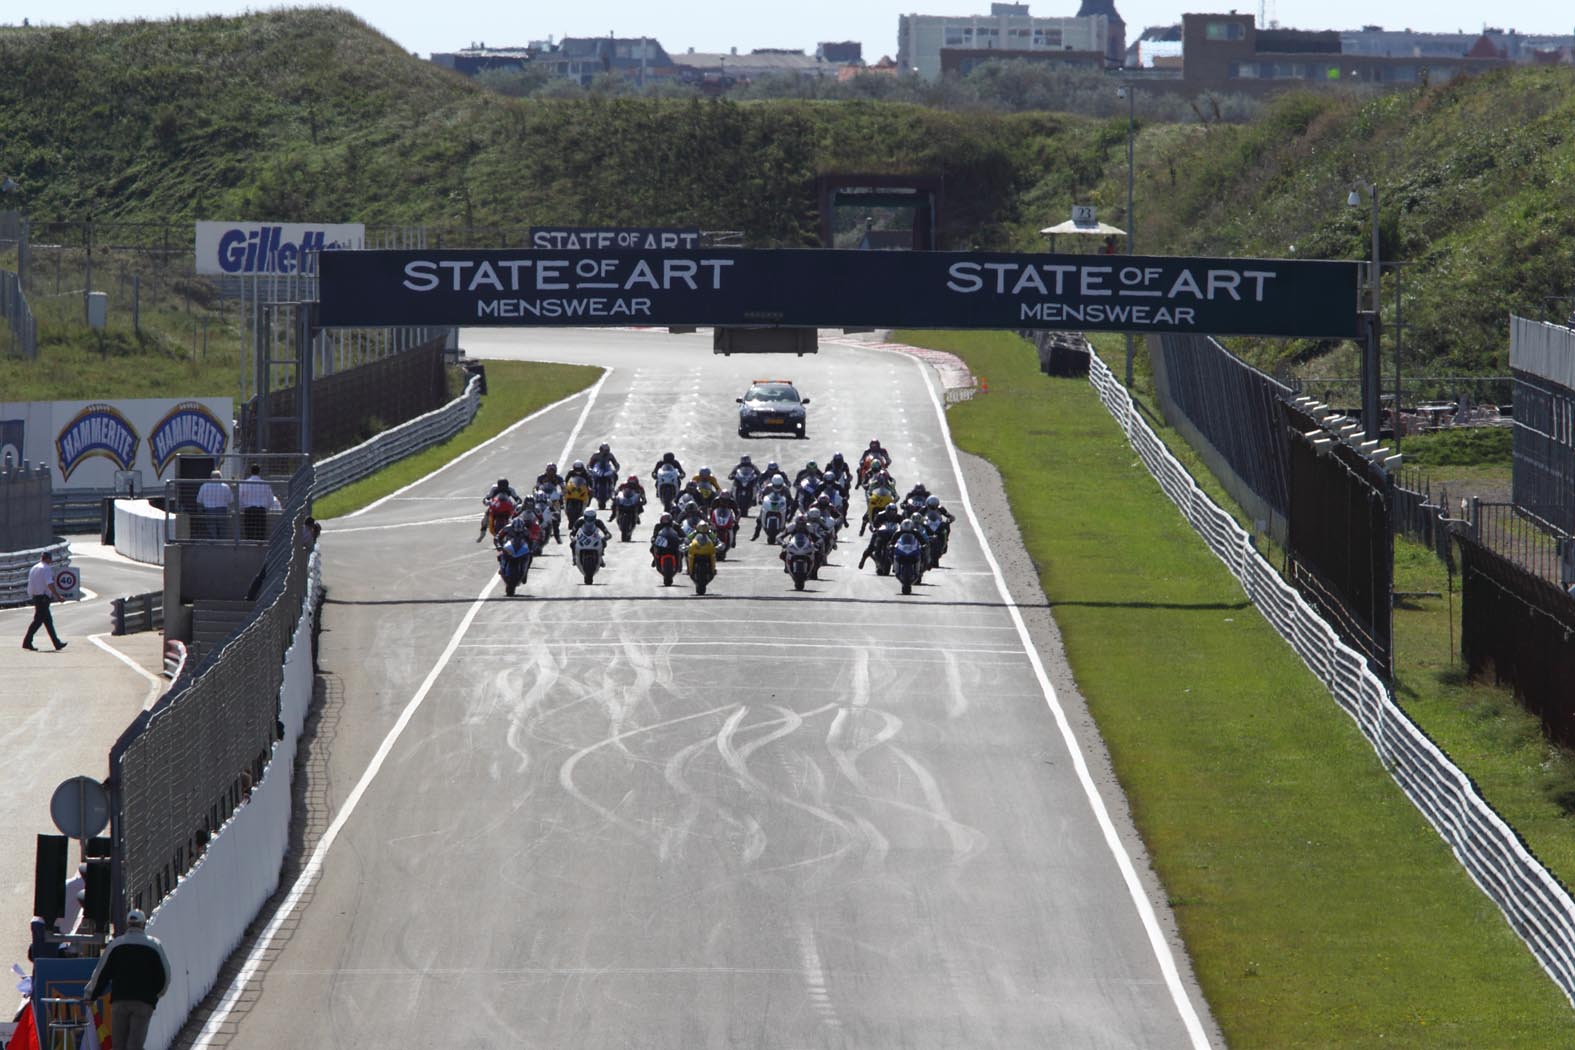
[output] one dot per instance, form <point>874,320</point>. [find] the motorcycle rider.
<point>915,498</point>
<point>771,471</point>
<point>502,488</point>
<point>578,471</point>
<point>745,474</point>
<point>873,458</point>
<point>523,526</point>
<point>837,471</point>
<point>703,487</point>
<point>934,503</point>
<point>788,537</point>
<point>829,512</point>
<point>702,543</point>
<point>603,455</point>
<point>590,523</point>
<point>810,471</point>
<point>632,484</point>
<point>549,476</point>
<point>886,522</point>
<point>779,487</point>
<point>666,531</point>
<point>690,516</point>
<point>670,460</point>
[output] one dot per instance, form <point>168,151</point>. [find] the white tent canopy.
<point>1095,229</point>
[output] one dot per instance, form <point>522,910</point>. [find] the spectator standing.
<point>41,590</point>
<point>135,972</point>
<point>215,499</point>
<point>256,499</point>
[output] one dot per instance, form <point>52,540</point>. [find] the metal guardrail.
<point>395,443</point>
<point>1537,907</point>
<point>17,314</point>
<point>76,511</point>
<point>136,612</point>
<point>14,567</point>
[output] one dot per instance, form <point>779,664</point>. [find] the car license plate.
<point>776,421</point>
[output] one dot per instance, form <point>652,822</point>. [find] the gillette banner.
<point>270,248</point>
<point>114,444</point>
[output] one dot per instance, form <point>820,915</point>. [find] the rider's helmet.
<point>665,519</point>
<point>779,482</point>
<point>579,464</point>
<point>823,498</point>
<point>705,472</point>
<point>589,515</point>
<point>603,448</point>
<point>668,457</point>
<point>503,483</point>
<point>811,465</point>
<point>744,459</point>
<point>836,457</point>
<point>933,502</point>
<point>771,464</point>
<point>907,526</point>
<point>633,480</point>
<point>814,514</point>
<point>552,468</point>
<point>799,519</point>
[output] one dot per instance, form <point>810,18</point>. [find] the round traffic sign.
<point>80,807</point>
<point>66,580</point>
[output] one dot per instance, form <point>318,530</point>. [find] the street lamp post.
<point>1371,422</point>
<point>1130,94</point>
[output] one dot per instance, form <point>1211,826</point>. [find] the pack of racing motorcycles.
<point>702,517</point>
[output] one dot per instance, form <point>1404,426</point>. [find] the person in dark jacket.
<point>135,972</point>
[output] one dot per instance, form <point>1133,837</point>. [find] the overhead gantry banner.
<point>839,289</point>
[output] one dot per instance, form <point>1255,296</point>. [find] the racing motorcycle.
<point>667,479</point>
<point>880,548</point>
<point>799,557</point>
<point>576,494</point>
<point>744,479</point>
<point>876,499</point>
<point>626,511</point>
<point>604,477</point>
<point>549,501</point>
<point>702,570</point>
<point>665,549</point>
<point>587,544</point>
<point>514,558</point>
<point>725,522</point>
<point>808,488</point>
<point>908,559</point>
<point>499,510</point>
<point>940,531</point>
<point>773,514</point>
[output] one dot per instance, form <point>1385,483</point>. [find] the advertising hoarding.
<point>838,289</point>
<point>95,444</point>
<point>270,248</point>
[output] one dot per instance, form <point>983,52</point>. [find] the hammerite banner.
<point>840,289</point>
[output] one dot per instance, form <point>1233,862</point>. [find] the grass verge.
<point>515,389</point>
<point>1318,907</point>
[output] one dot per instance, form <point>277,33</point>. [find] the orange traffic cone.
<point>984,385</point>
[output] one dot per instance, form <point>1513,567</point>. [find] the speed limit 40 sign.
<point>68,583</point>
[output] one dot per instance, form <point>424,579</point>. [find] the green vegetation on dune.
<point>515,389</point>
<point>1318,906</point>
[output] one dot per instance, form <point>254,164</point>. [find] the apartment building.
<point>1009,27</point>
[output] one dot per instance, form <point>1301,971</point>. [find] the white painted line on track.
<point>156,686</point>
<point>490,441</point>
<point>211,1029</point>
<point>712,643</point>
<point>665,620</point>
<point>401,524</point>
<point>1145,910</point>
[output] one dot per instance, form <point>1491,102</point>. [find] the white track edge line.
<point>157,686</point>
<point>303,881</point>
<point>472,451</point>
<point>1145,909</point>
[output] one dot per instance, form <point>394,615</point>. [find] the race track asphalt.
<point>623,815</point>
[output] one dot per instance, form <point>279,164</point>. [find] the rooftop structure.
<point>1008,27</point>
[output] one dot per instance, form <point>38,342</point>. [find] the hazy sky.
<point>710,25</point>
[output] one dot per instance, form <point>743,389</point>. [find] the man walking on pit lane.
<point>41,590</point>
<point>135,972</point>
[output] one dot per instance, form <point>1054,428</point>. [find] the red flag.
<point>26,1035</point>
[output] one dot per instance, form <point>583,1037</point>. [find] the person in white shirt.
<point>215,499</point>
<point>256,499</point>
<point>41,591</point>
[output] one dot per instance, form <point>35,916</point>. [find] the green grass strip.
<point>515,389</point>
<point>1318,906</point>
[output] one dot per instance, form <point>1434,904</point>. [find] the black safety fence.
<point>1418,511</point>
<point>1229,412</point>
<point>182,768</point>
<point>1544,450</point>
<point>1523,539</point>
<point>1518,629</point>
<point>1341,541</point>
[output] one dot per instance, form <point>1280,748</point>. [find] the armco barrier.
<point>15,565</point>
<point>1539,910</point>
<point>395,443</point>
<point>205,917</point>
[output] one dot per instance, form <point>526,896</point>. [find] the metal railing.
<point>18,315</point>
<point>1520,537</point>
<point>230,508</point>
<point>395,443</point>
<point>1537,907</point>
<point>136,612</point>
<point>14,567</point>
